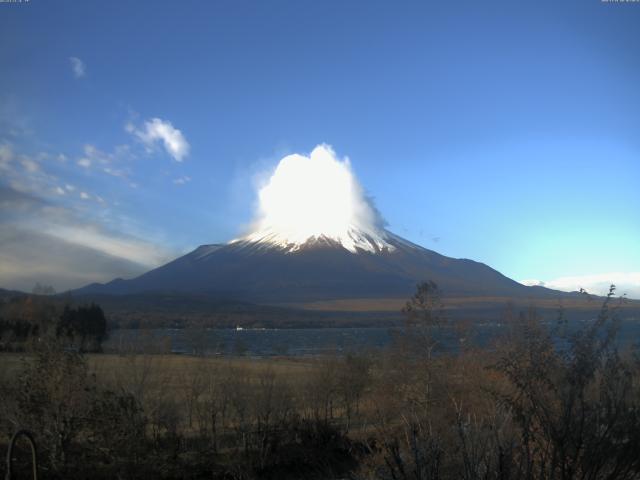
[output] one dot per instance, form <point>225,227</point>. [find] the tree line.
<point>28,320</point>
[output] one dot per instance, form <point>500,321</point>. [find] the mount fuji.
<point>317,237</point>
<point>319,254</point>
<point>267,267</point>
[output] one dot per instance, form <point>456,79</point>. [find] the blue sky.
<point>506,132</point>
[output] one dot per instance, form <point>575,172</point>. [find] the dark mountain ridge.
<point>319,269</point>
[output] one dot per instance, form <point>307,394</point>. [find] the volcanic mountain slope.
<point>265,268</point>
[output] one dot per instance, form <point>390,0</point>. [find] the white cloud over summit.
<point>157,131</point>
<point>598,284</point>
<point>316,195</point>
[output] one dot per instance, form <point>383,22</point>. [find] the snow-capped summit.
<point>353,239</point>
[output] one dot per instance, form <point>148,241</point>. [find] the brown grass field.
<point>172,368</point>
<point>455,303</point>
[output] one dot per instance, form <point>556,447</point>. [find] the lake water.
<point>262,342</point>
<point>307,341</point>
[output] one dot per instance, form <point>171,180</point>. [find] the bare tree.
<point>193,386</point>
<point>424,314</point>
<point>321,389</point>
<point>353,377</point>
<point>53,398</point>
<point>573,402</point>
<point>272,407</point>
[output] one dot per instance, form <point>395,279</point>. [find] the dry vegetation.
<point>542,404</point>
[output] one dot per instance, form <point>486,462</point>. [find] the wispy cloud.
<point>598,284</point>
<point>116,172</point>
<point>182,180</point>
<point>14,123</point>
<point>57,226</point>
<point>114,163</point>
<point>6,156</point>
<point>93,156</point>
<point>31,256</point>
<point>119,246</point>
<point>157,131</point>
<point>42,241</point>
<point>77,67</point>
<point>29,164</point>
<point>26,173</point>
